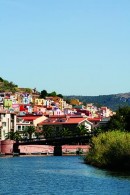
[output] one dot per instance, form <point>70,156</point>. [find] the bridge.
<point>57,142</point>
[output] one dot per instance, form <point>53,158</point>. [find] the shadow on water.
<point>120,174</point>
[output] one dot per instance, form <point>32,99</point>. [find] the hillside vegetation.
<point>6,86</point>
<point>113,101</point>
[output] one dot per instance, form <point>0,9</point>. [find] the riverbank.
<point>46,150</point>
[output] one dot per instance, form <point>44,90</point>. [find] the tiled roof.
<point>74,120</point>
<point>94,119</point>
<point>51,121</point>
<point>29,118</point>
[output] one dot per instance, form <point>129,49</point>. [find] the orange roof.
<point>75,120</point>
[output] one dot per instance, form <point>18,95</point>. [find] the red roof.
<point>29,118</point>
<point>103,108</point>
<point>94,119</point>
<point>52,121</point>
<point>75,120</point>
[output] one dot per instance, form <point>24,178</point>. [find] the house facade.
<point>7,124</point>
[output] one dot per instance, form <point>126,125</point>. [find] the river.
<point>64,175</point>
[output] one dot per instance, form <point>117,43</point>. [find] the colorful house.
<point>7,103</point>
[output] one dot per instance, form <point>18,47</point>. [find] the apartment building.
<point>7,123</point>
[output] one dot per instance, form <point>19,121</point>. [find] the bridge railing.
<point>58,139</point>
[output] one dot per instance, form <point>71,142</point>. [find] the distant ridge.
<point>113,101</point>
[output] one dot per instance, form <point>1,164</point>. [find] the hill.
<point>6,86</point>
<point>113,101</point>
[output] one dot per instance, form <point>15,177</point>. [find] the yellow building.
<point>39,102</point>
<point>75,102</point>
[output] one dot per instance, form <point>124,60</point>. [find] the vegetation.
<point>111,101</point>
<point>110,150</point>
<point>52,132</point>
<point>45,94</point>
<point>13,136</point>
<point>28,132</point>
<point>6,86</point>
<point>121,120</point>
<point>110,147</point>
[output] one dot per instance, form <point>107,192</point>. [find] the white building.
<point>7,123</point>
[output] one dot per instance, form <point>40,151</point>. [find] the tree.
<point>43,94</point>
<point>121,120</point>
<point>53,94</point>
<point>13,136</point>
<point>48,131</point>
<point>65,132</point>
<point>110,150</point>
<point>81,130</point>
<point>29,131</point>
<point>1,80</point>
<point>60,95</point>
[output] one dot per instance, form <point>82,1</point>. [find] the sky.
<point>72,47</point>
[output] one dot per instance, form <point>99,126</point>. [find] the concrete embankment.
<point>6,148</point>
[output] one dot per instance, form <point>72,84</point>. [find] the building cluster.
<point>20,110</point>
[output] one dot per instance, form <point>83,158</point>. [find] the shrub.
<point>110,150</point>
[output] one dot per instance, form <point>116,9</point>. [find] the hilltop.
<point>6,86</point>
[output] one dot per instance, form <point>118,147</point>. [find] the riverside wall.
<point>6,147</point>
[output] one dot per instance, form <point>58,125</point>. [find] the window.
<point>19,128</point>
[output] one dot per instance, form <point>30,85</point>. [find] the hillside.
<point>113,101</point>
<point>6,86</point>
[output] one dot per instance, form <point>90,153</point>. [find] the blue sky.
<point>73,47</point>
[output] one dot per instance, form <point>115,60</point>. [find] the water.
<point>50,175</point>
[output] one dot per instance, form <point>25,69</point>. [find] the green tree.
<point>43,94</point>
<point>48,131</point>
<point>29,131</point>
<point>38,134</point>
<point>60,95</point>
<point>121,120</point>
<point>53,94</point>
<point>65,132</point>
<point>83,130</point>
<point>13,136</point>
<point>110,150</point>
<point>1,80</point>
